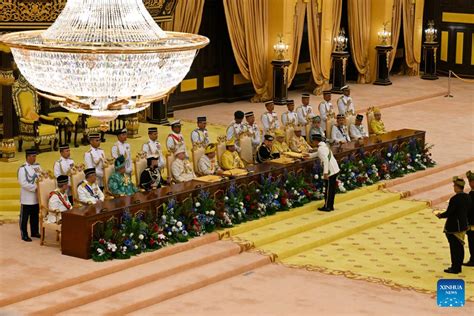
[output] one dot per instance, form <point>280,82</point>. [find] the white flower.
<point>389,155</point>
<point>276,196</point>
<point>316,177</point>
<point>360,162</point>
<point>163,217</point>
<point>99,250</point>
<point>257,190</point>
<point>198,204</point>
<point>292,189</point>
<point>403,168</point>
<point>212,213</point>
<point>408,155</point>
<point>169,233</point>
<point>373,167</point>
<point>179,224</point>
<point>207,212</point>
<point>131,234</point>
<point>226,198</point>
<point>141,237</point>
<point>241,203</point>
<point>123,235</point>
<point>161,236</point>
<point>136,246</point>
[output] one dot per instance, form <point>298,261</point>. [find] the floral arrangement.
<point>177,222</point>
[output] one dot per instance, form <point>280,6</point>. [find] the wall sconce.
<point>385,36</point>
<point>341,41</point>
<point>280,48</point>
<point>431,33</point>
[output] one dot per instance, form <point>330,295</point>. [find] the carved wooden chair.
<point>109,168</point>
<point>76,175</point>
<point>169,161</point>
<point>33,127</point>
<point>289,132</point>
<point>246,149</point>
<point>221,148</point>
<point>330,122</point>
<point>140,164</point>
<point>370,116</point>
<point>197,152</point>
<point>48,219</point>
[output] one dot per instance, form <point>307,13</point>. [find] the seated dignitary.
<point>230,158</point>
<point>376,124</point>
<point>357,130</point>
<point>181,168</point>
<point>316,126</point>
<point>88,191</point>
<point>58,200</point>
<point>264,152</point>
<point>279,145</point>
<point>120,182</point>
<point>151,176</point>
<point>207,164</point>
<point>339,132</point>
<point>298,144</point>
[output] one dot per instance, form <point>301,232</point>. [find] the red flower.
<point>247,197</point>
<point>284,201</point>
<point>102,241</point>
<point>156,228</point>
<point>152,242</point>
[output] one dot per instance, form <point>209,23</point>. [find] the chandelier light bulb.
<point>104,58</point>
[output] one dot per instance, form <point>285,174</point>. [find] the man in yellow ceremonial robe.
<point>377,126</point>
<point>230,158</point>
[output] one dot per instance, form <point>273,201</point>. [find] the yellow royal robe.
<point>231,160</point>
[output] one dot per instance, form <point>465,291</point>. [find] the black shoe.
<point>331,209</point>
<point>470,263</point>
<point>26,239</point>
<point>37,235</point>
<point>451,270</point>
<point>324,209</point>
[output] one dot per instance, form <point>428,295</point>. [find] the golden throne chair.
<point>33,127</point>
<point>47,184</point>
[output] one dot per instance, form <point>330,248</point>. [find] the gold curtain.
<point>413,65</point>
<point>314,42</point>
<point>298,27</point>
<point>396,23</point>
<point>359,36</point>
<point>187,17</point>
<point>247,23</point>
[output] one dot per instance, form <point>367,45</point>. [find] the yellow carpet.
<point>10,189</point>
<point>372,235</point>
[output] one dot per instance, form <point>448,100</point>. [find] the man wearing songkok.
<point>200,135</point>
<point>122,148</point>
<point>236,128</point>
<point>27,175</point>
<point>378,128</point>
<point>325,108</point>
<point>344,103</point>
<point>152,147</point>
<point>330,172</point>
<point>357,130</point>
<point>58,200</point>
<point>120,182</point>
<point>303,112</point>
<point>298,144</point>
<point>470,219</point>
<point>181,168</point>
<point>316,126</point>
<point>230,158</point>
<point>279,144</point>
<point>270,119</point>
<point>456,224</point>
<point>252,128</point>
<point>264,152</point>
<point>339,133</point>
<point>88,191</point>
<point>175,139</point>
<point>95,157</point>
<point>207,164</point>
<point>64,164</point>
<point>151,176</point>
<point>289,118</point>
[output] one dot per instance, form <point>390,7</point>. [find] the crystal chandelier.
<point>104,58</point>
<point>385,36</point>
<point>280,48</point>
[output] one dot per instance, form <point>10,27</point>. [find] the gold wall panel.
<point>458,17</point>
<point>444,45</point>
<point>459,47</point>
<point>189,85</point>
<point>211,81</point>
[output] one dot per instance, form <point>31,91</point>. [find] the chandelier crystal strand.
<point>104,57</point>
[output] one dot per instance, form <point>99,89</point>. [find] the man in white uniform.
<point>64,164</point>
<point>270,119</point>
<point>330,172</point>
<point>344,103</point>
<point>289,118</point>
<point>122,148</point>
<point>325,108</point>
<point>304,113</point>
<point>253,130</point>
<point>357,130</point>
<point>235,128</point>
<point>175,139</point>
<point>152,147</point>
<point>27,174</point>
<point>95,157</point>
<point>58,200</point>
<point>200,135</point>
<point>339,132</point>
<point>88,191</point>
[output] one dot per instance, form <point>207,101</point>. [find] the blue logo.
<point>451,293</point>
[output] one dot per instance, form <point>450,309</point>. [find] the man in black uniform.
<point>456,224</point>
<point>264,152</point>
<point>151,176</point>
<point>470,219</point>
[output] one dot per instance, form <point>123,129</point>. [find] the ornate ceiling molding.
<point>39,14</point>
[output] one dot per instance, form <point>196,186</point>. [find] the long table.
<point>78,222</point>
